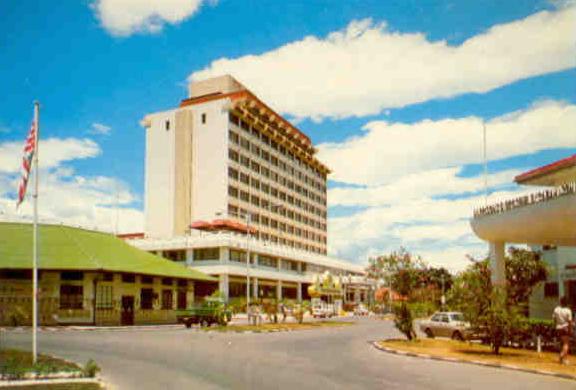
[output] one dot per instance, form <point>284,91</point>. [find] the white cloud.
<point>52,152</point>
<point>367,67</point>
<point>66,197</point>
<point>386,151</point>
<point>99,129</point>
<point>427,184</point>
<point>126,17</point>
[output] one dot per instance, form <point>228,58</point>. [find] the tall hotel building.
<point>226,176</point>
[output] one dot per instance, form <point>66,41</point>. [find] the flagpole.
<point>35,239</point>
<point>485,165</point>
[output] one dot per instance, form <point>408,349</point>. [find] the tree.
<point>402,272</point>
<point>496,311</point>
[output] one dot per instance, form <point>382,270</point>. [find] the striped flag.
<point>29,150</point>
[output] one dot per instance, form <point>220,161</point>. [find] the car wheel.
<point>457,336</point>
<point>429,333</point>
<point>188,324</point>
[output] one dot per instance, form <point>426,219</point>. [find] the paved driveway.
<point>328,358</point>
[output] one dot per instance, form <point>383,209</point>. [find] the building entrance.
<point>127,316</point>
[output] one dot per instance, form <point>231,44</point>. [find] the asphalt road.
<point>326,358</point>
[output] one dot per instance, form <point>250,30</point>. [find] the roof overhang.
<point>554,174</point>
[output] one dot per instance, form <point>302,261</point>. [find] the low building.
<point>88,277</point>
<point>545,220</point>
<point>275,271</point>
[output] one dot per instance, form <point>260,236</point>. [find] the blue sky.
<point>353,75</point>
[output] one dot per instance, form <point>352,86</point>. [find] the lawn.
<point>527,359</point>
<point>271,327</point>
<point>16,364</point>
<point>67,386</point>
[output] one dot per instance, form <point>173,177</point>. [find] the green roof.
<point>68,248</point>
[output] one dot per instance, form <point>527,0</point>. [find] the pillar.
<point>497,264</point>
<point>189,256</point>
<point>279,290</point>
<point>559,274</point>
<point>223,286</point>
<point>299,292</point>
<point>255,288</point>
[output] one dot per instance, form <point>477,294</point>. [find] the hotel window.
<point>167,282</point>
<point>255,200</point>
<point>233,173</point>
<point>203,118</point>
<point>233,210</point>
<point>244,196</point>
<point>104,297</point>
<point>244,178</point>
<point>245,161</point>
<point>267,261</point>
<point>234,119</point>
<point>244,143</point>
<point>233,155</point>
<point>201,254</point>
<point>71,297</point>
<point>255,167</point>
<point>234,137</point>
<point>167,125</point>
<point>233,192</point>
<point>146,280</point>
<point>237,256</point>
<point>167,299</point>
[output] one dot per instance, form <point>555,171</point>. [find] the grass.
<point>67,386</point>
<point>270,327</point>
<point>16,364</point>
<point>547,361</point>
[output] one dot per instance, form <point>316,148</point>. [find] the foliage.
<point>403,320</point>
<point>15,364</point>
<point>237,305</point>
<point>399,269</point>
<point>498,321</point>
<point>422,309</point>
<point>300,309</point>
<point>524,270</point>
<point>91,369</point>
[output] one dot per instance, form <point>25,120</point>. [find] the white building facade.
<point>225,174</point>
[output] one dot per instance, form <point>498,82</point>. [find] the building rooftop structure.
<point>545,217</point>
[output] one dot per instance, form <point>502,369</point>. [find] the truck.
<point>205,314</point>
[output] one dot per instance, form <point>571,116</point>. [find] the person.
<point>563,320</point>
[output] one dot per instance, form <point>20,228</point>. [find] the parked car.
<point>446,324</point>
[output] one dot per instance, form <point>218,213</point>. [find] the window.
<point>167,299</point>
<point>206,254</point>
<point>71,275</point>
<point>128,278</point>
<point>244,178</point>
<point>146,298</point>
<point>107,277</point>
<point>233,192</point>
<point>238,256</point>
<point>267,261</point>
<point>233,155</point>
<point>16,274</point>
<point>71,297</point>
<point>244,196</point>
<point>167,125</point>
<point>233,173</point>
<point>146,280</point>
<point>167,282</point>
<point>104,297</point>
<point>203,118</point>
<point>551,290</point>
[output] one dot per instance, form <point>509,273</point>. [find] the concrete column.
<point>255,288</point>
<point>299,267</point>
<point>224,255</point>
<point>299,292</point>
<point>279,290</point>
<point>223,286</point>
<point>560,266</point>
<point>189,256</point>
<point>497,263</point>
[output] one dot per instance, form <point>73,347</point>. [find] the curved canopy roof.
<point>68,248</point>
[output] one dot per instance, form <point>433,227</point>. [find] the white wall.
<point>210,160</point>
<point>160,175</point>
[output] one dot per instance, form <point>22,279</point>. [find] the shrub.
<point>404,321</point>
<point>422,309</point>
<point>90,369</point>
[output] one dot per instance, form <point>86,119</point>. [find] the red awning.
<point>546,169</point>
<point>222,224</point>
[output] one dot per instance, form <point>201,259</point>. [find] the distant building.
<point>89,278</point>
<point>224,165</point>
<point>545,220</point>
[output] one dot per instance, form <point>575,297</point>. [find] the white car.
<point>446,324</point>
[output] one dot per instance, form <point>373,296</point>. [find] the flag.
<point>29,150</point>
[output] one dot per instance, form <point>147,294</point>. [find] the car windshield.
<point>457,317</point>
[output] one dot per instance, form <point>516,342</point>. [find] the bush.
<point>90,369</point>
<point>404,321</point>
<point>422,309</point>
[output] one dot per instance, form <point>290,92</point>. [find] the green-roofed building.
<point>89,277</point>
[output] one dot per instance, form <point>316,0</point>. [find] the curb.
<point>30,382</point>
<point>376,345</point>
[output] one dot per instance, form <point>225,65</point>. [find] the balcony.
<point>545,217</point>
